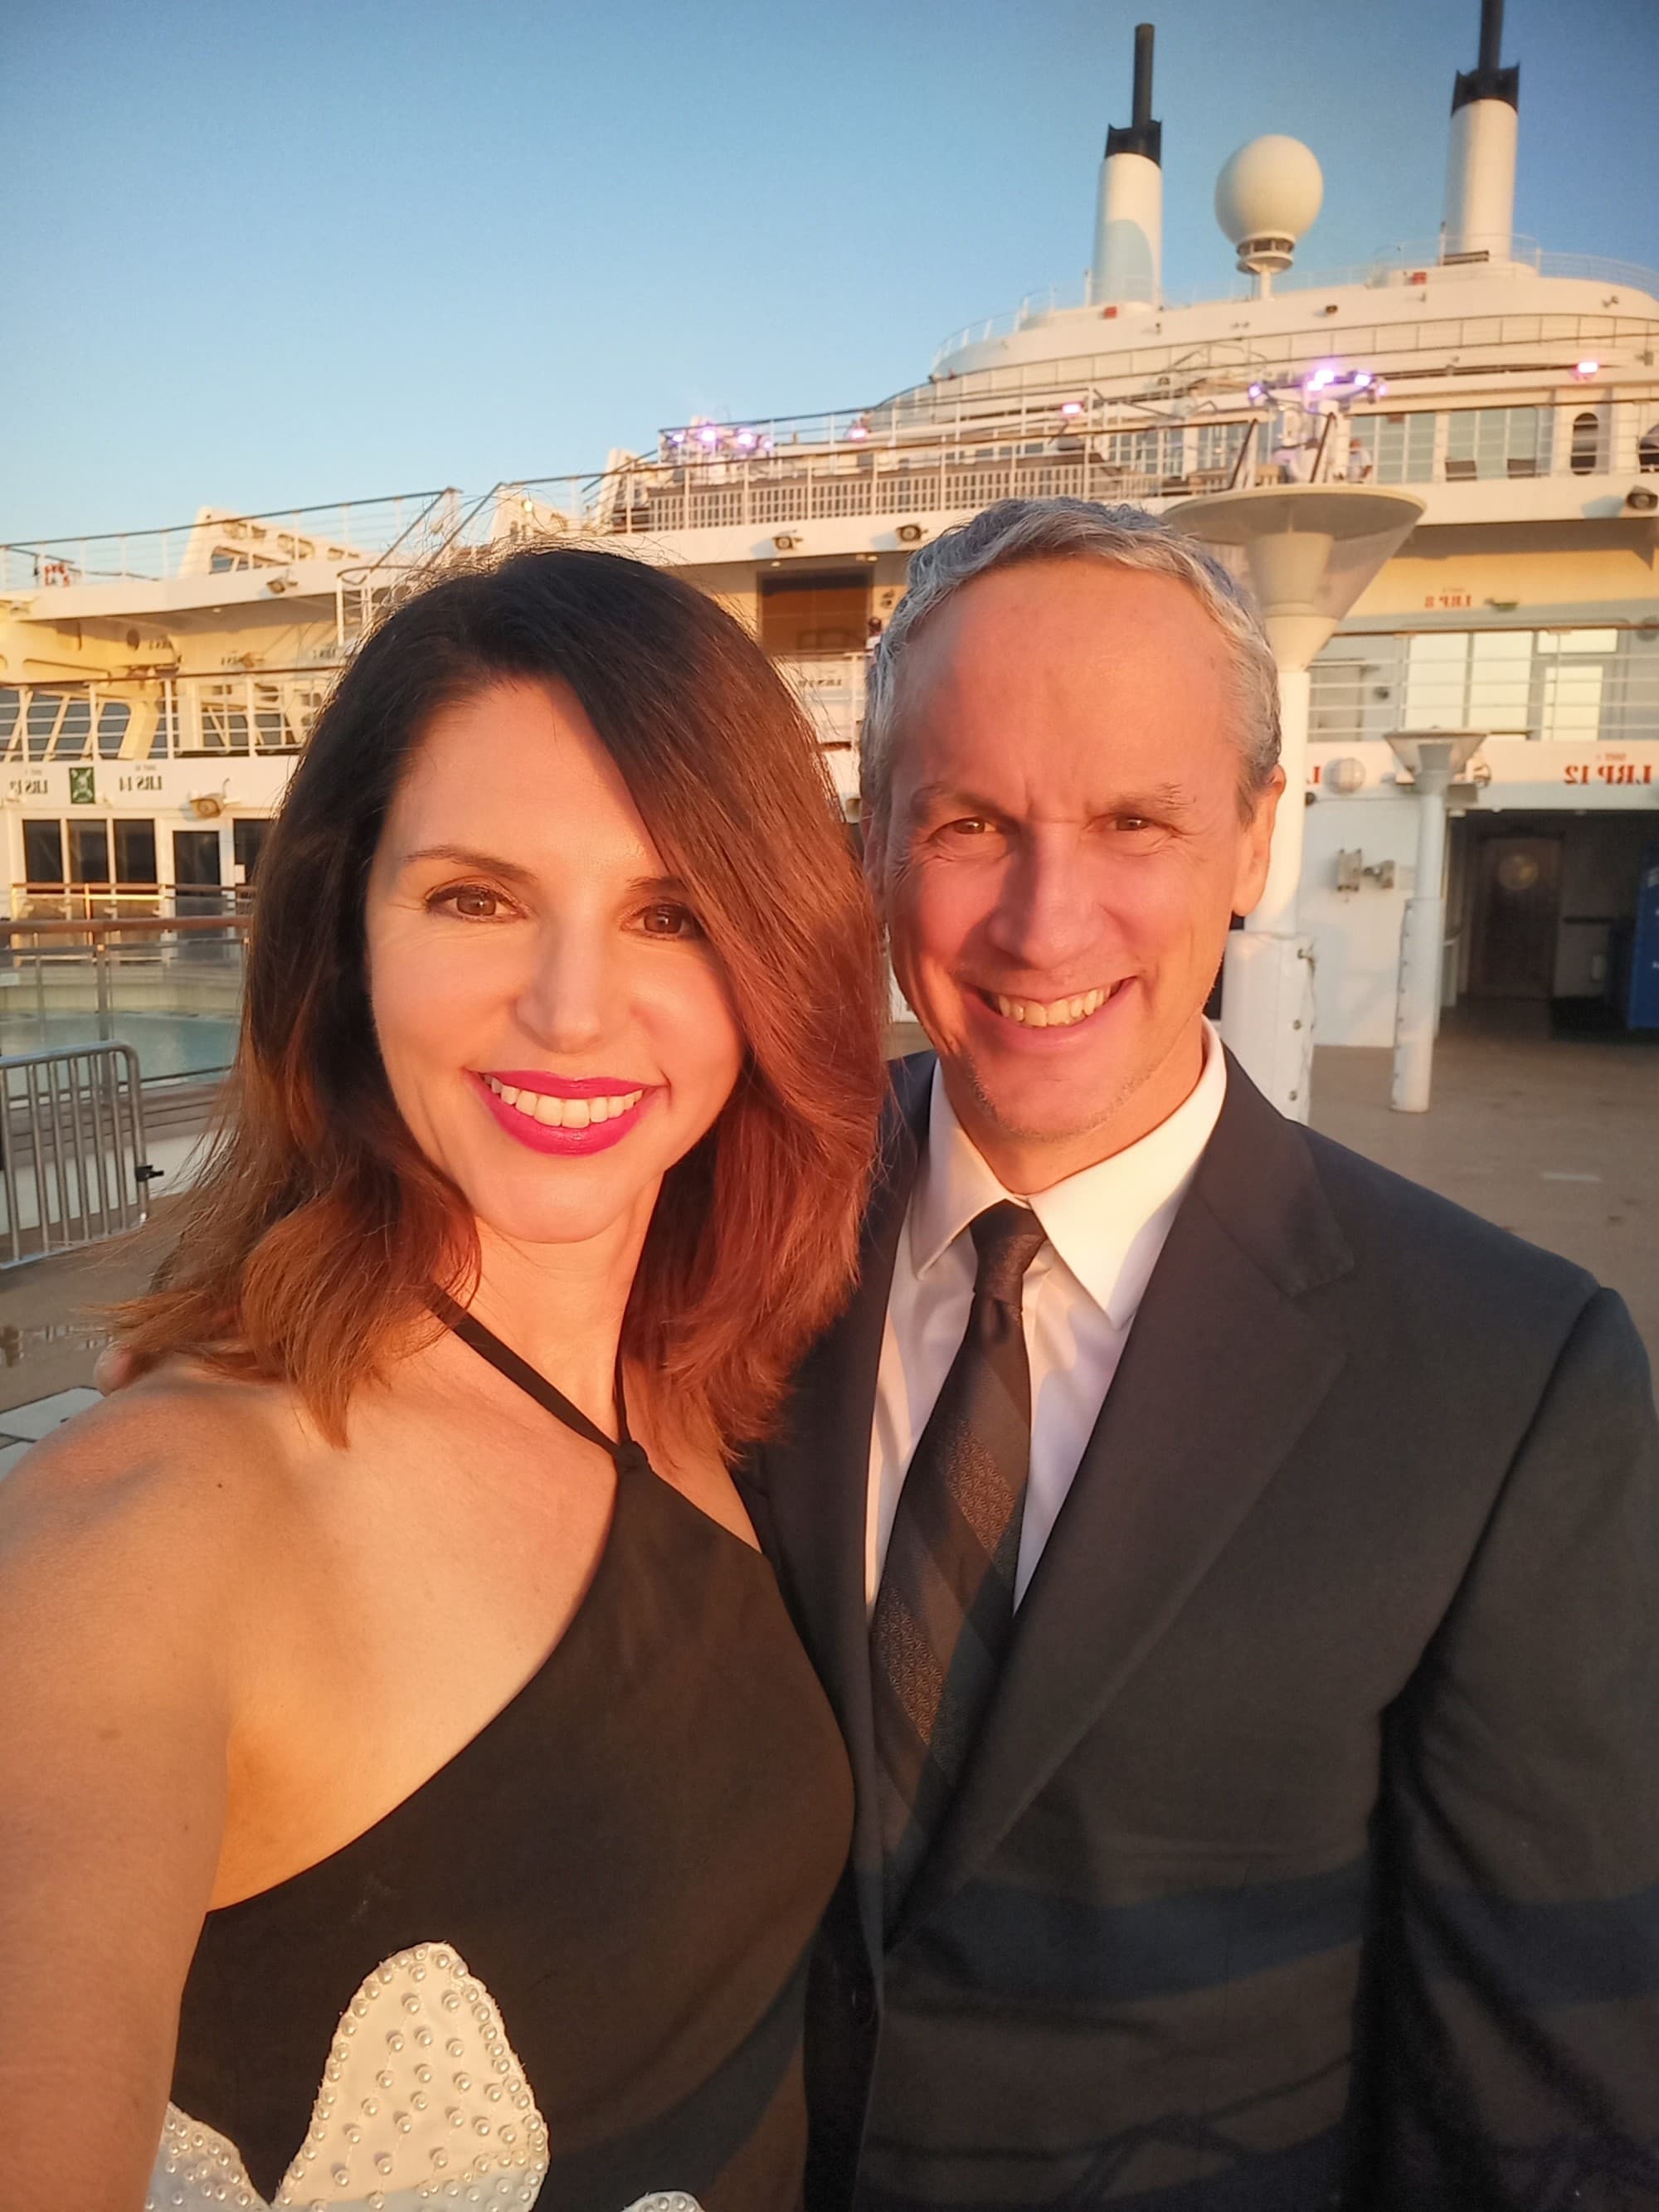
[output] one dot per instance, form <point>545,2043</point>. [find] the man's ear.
<point>875,865</point>
<point>1255,846</point>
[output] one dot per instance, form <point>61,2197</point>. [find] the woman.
<point>398,1716</point>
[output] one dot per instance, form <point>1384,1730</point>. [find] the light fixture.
<point>1583,370</point>
<point>1362,379</point>
<point>1071,406</point>
<point>207,805</point>
<point>1641,500</point>
<point>709,435</point>
<point>910,533</point>
<point>1256,394</point>
<point>526,505</point>
<point>785,541</point>
<point>858,430</point>
<point>1344,775</point>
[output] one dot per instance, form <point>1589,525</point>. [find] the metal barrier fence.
<point>72,1165</point>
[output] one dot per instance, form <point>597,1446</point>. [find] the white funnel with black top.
<point>1480,172</point>
<point>1127,266</point>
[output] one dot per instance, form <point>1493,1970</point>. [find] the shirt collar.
<point>1107,1222</point>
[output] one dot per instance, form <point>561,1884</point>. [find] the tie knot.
<point>1007,1238</point>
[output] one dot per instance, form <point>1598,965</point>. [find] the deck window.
<point>113,716</point>
<point>42,854</point>
<point>1489,442</point>
<point>1585,457</point>
<point>135,855</point>
<point>1647,450</point>
<point>1400,447</point>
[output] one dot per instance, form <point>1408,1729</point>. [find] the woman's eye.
<point>670,921</point>
<point>470,902</point>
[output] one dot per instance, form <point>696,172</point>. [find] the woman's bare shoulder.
<point>182,1458</point>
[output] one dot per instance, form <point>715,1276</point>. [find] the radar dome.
<point>1265,196</point>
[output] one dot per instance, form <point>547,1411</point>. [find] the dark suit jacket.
<point>1309,1853</point>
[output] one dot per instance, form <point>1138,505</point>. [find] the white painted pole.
<point>1275,914</point>
<point>1422,941</point>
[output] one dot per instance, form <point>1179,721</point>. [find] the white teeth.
<point>1055,1014</point>
<point>556,1113</point>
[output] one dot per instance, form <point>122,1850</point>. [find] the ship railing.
<point>73,1164</point>
<point>1389,266</point>
<point>168,984</point>
<point>134,721</point>
<point>1592,685</point>
<point>220,542</point>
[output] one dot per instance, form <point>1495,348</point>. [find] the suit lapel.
<point>1222,1373</point>
<point>817,1471</point>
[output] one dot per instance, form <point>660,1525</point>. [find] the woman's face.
<point>556,1029</point>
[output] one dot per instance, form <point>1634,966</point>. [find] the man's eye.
<point>971,825</point>
<point>667,920</point>
<point>469,901</point>
<point>1135,822</point>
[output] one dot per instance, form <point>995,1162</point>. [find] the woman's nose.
<point>565,1002</point>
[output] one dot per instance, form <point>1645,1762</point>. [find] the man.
<point>1233,1566</point>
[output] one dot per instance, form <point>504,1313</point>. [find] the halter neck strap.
<point>507,1362</point>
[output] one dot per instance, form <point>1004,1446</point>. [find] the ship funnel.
<point>1127,266</point>
<point>1267,194</point>
<point>1480,173</point>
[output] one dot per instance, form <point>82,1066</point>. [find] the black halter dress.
<point>569,1970</point>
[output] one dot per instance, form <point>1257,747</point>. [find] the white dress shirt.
<point>1105,1227</point>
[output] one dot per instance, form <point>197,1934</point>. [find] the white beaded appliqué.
<point>422,2102</point>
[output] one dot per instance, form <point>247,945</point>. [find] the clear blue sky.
<point>263,255</point>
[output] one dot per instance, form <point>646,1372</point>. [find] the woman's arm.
<point>119,1552</point>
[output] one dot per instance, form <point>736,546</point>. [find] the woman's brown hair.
<point>308,1247</point>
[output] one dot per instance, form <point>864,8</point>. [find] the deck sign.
<point>82,783</point>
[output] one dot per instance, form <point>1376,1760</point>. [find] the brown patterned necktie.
<point>946,1601</point>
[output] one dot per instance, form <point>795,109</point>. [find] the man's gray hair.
<point>1017,531</point>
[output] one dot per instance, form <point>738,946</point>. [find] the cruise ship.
<point>156,687</point>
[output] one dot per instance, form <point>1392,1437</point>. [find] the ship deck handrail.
<point>359,530</point>
<point>1389,264</point>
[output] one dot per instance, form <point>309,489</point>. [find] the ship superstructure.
<point>156,689</point>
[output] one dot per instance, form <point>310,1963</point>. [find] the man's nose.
<point>566,996</point>
<point>1045,918</point>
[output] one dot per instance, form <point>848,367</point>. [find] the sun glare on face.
<point>554,1026</point>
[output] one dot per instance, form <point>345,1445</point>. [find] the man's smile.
<point>1053,1013</point>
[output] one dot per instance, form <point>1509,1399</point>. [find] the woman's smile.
<point>563,1114</point>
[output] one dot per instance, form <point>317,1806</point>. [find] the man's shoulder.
<point>1390,1217</point>
<point>1387,1258</point>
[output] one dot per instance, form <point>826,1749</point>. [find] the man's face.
<point>1064,850</point>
